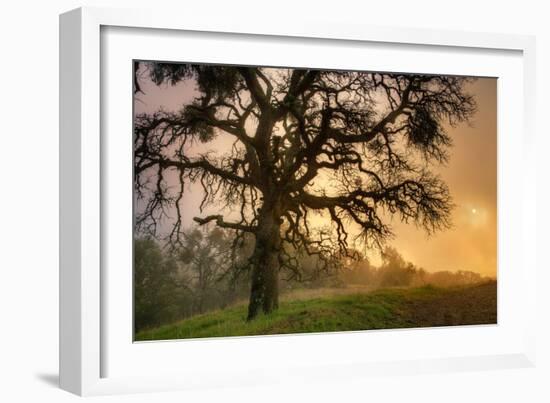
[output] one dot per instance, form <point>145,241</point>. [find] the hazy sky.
<point>471,175</point>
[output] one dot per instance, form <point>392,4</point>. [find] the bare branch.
<point>224,224</point>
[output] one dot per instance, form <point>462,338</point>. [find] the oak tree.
<point>353,147</point>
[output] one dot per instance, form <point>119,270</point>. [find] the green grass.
<point>381,309</point>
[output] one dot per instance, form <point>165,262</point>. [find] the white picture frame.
<point>87,342</point>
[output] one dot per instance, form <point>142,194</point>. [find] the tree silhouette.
<point>355,147</point>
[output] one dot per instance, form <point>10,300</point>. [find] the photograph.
<point>274,200</point>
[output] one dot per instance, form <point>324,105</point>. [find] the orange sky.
<point>472,178</point>
<point>470,174</point>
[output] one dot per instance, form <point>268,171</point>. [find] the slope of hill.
<point>381,309</point>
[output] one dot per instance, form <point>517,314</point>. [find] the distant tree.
<point>421,277</point>
<point>395,271</point>
<point>207,256</point>
<point>360,271</point>
<point>369,135</point>
<point>158,293</point>
<point>447,278</point>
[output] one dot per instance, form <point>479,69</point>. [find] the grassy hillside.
<point>382,309</point>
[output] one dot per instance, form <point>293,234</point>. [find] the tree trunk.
<point>264,290</point>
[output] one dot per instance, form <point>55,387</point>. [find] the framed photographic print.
<point>237,198</point>
<point>292,189</point>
